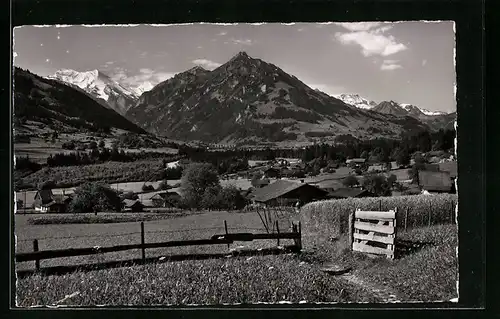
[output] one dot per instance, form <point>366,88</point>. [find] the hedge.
<point>330,217</point>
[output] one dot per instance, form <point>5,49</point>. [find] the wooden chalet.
<point>46,202</point>
<point>133,205</point>
<point>436,182</point>
<point>165,199</point>
<point>283,192</point>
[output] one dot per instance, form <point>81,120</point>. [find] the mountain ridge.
<point>247,100</point>
<point>57,104</point>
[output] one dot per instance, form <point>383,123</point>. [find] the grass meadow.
<point>426,272</point>
<point>202,225</point>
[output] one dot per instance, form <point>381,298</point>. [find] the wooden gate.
<point>373,232</point>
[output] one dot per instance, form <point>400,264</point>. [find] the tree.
<point>47,185</point>
<point>196,179</point>
<point>93,145</point>
<point>231,198</point>
<point>102,144</point>
<point>147,188</point>
<point>392,179</point>
<point>377,184</point>
<point>95,197</point>
<point>350,181</point>
<point>403,157</point>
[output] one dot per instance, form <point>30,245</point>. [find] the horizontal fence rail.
<point>218,239</point>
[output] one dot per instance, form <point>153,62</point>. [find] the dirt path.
<point>384,294</point>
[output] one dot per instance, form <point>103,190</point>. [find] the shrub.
<point>95,197</point>
<point>68,145</point>
<point>330,217</point>
<point>147,188</point>
<point>350,181</point>
<point>164,185</point>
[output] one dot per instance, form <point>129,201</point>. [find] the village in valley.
<point>224,172</point>
<point>274,180</point>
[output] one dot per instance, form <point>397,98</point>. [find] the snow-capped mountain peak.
<point>118,96</point>
<point>412,108</point>
<point>356,100</point>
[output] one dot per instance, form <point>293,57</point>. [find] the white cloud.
<point>47,60</point>
<point>371,38</point>
<point>207,64</point>
<point>222,33</point>
<point>389,65</point>
<point>300,29</point>
<point>358,26</point>
<point>67,51</point>
<point>424,62</point>
<point>242,41</point>
<point>145,75</point>
<point>109,63</point>
<point>199,47</point>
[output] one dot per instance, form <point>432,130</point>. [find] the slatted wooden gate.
<point>373,232</point>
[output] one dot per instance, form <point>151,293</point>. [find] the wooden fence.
<point>373,232</point>
<point>218,239</point>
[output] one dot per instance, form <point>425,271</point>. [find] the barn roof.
<point>450,167</point>
<point>331,183</point>
<point>356,160</point>
<point>349,192</point>
<point>435,181</point>
<point>280,188</point>
<point>131,203</point>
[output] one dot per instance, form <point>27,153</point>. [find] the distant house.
<point>376,168</point>
<point>46,202</point>
<point>355,161</point>
<point>394,165</point>
<point>329,185</point>
<point>287,193</point>
<point>350,192</point>
<point>436,182</point>
<point>165,199</point>
<point>133,205</point>
<point>259,183</point>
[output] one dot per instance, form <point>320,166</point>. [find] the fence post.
<point>380,205</point>
<point>35,249</point>
<point>300,236</point>
<point>430,213</point>
<point>351,229</point>
<point>406,217</point>
<point>143,249</point>
<point>452,212</point>
<point>278,231</point>
<point>225,227</point>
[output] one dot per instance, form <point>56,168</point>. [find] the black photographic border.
<point>476,173</point>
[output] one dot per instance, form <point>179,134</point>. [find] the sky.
<point>407,62</point>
